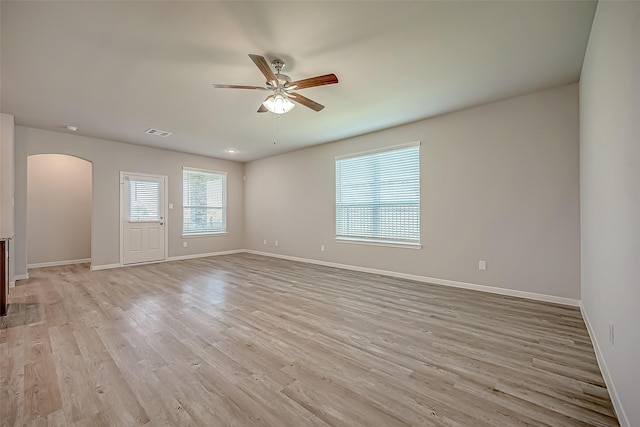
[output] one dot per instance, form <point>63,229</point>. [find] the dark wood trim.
<point>4,277</point>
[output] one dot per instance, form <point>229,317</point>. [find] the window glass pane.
<point>378,196</point>
<point>144,200</point>
<point>204,202</point>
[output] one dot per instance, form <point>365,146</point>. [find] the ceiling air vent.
<point>162,133</point>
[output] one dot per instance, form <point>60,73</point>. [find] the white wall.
<point>108,159</point>
<point>500,183</point>
<point>6,175</point>
<point>59,209</point>
<point>7,160</point>
<point>610,198</point>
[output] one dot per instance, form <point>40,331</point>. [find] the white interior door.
<point>143,218</point>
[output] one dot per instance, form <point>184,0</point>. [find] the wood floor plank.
<point>109,383</point>
<point>39,344</point>
<point>12,375</point>
<point>53,419</point>
<point>42,395</point>
<point>243,340</point>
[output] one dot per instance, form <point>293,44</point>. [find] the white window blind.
<point>144,201</point>
<point>204,202</point>
<point>378,196</point>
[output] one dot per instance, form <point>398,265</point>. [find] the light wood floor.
<point>249,340</point>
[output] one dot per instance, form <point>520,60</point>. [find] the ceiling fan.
<point>280,101</point>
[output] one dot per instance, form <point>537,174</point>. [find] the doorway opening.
<point>59,210</point>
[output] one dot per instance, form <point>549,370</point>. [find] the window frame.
<point>379,241</point>
<point>224,207</point>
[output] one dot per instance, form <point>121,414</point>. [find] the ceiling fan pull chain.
<point>275,128</point>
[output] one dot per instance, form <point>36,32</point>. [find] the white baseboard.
<point>57,263</point>
<point>172,258</point>
<point>483,288</point>
<point>104,267</point>
<point>183,257</point>
<point>613,394</point>
<point>18,277</point>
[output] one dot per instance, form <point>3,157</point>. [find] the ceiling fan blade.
<point>262,64</point>
<point>239,87</point>
<point>262,108</point>
<point>296,97</point>
<point>327,79</point>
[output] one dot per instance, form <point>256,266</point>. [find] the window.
<point>378,196</point>
<point>204,202</point>
<point>144,200</point>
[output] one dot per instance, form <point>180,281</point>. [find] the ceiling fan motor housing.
<point>278,64</point>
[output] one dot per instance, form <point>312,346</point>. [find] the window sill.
<point>379,243</point>
<point>213,234</point>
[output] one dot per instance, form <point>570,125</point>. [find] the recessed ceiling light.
<point>71,128</point>
<point>232,151</point>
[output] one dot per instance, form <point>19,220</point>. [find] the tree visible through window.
<point>378,196</point>
<point>204,202</point>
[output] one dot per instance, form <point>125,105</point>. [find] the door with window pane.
<point>143,222</point>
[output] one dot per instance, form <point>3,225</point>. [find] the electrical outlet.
<point>264,241</point>
<point>322,248</point>
<point>482,265</point>
<point>185,244</point>
<point>170,205</point>
<point>612,334</point>
<point>276,243</point>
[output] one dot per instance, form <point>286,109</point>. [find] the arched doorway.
<point>59,203</point>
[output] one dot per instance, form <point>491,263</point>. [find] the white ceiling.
<point>115,69</point>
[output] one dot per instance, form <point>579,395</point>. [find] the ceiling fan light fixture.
<point>278,104</point>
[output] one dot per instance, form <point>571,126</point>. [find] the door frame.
<point>165,189</point>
